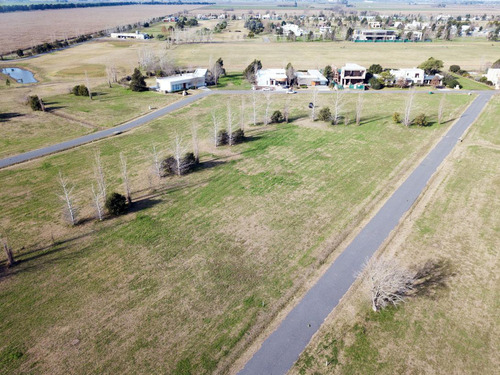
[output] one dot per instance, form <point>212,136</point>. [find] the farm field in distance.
<point>170,297</point>
<point>458,221</point>
<point>26,29</point>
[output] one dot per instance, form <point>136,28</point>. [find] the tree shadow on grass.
<point>143,204</point>
<point>8,115</point>
<point>431,277</point>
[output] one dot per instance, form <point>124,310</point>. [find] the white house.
<point>414,76</point>
<point>312,77</point>
<point>493,75</point>
<point>271,78</point>
<point>182,81</point>
<point>352,75</point>
<point>291,28</point>
<point>136,35</point>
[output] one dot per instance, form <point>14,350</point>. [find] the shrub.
<point>277,117</point>
<point>325,114</point>
<point>35,103</point>
<point>187,164</point>
<point>453,83</point>
<point>375,83</point>
<point>80,90</point>
<point>116,204</point>
<point>222,138</point>
<point>483,79</point>
<point>421,120</point>
<point>454,68</point>
<point>396,117</point>
<point>238,136</point>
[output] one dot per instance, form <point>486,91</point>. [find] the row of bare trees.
<point>98,189</point>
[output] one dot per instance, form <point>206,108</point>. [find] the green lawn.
<point>452,330</point>
<point>234,81</point>
<point>180,284</point>
<point>69,116</point>
<point>470,84</point>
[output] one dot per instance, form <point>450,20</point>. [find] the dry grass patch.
<point>453,330</point>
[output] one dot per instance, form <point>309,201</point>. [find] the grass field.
<point>454,331</point>
<point>68,116</point>
<point>181,283</point>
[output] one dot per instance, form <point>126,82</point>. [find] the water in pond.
<point>20,75</point>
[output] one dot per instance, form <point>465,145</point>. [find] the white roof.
<point>186,76</point>
<point>312,73</point>
<point>352,66</point>
<point>273,73</point>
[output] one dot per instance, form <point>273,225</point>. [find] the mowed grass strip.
<point>454,329</point>
<point>176,284</point>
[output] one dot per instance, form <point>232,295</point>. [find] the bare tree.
<point>286,110</point>
<point>338,103</point>
<point>126,184</point>
<point>229,124</point>
<point>359,109</point>
<point>254,104</point>
<point>111,74</point>
<point>178,150</point>
<point>67,198</point>
<point>87,82</point>
<point>8,252</point>
<point>99,174</point>
<point>313,108</point>
<point>215,124</point>
<point>196,146</point>
<point>408,107</point>
<point>156,161</point>
<point>98,200</point>
<point>441,108</point>
<point>390,283</point>
<point>268,106</point>
<point>242,113</point>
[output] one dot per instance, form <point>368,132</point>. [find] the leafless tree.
<point>390,283</point>
<point>338,103</point>
<point>99,174</point>
<point>126,183</point>
<point>359,109</point>
<point>111,74</point>
<point>8,252</point>
<point>215,124</point>
<point>196,146</point>
<point>87,82</point>
<point>67,198</point>
<point>178,151</point>
<point>147,58</point>
<point>242,113</point>
<point>98,200</point>
<point>268,106</point>
<point>441,108</point>
<point>229,124</point>
<point>156,161</point>
<point>408,107</point>
<point>286,110</point>
<point>314,99</point>
<point>254,104</point>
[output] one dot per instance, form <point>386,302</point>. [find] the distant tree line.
<point>24,8</point>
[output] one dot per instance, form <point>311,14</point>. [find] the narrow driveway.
<point>101,134</point>
<point>282,348</point>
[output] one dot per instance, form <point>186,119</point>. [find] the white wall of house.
<point>292,28</point>
<point>414,75</point>
<point>271,77</point>
<point>182,81</point>
<point>493,76</point>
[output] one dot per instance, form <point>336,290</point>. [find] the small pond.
<point>20,75</point>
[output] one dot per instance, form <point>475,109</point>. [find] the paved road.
<point>101,134</point>
<point>282,348</point>
<point>20,158</point>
